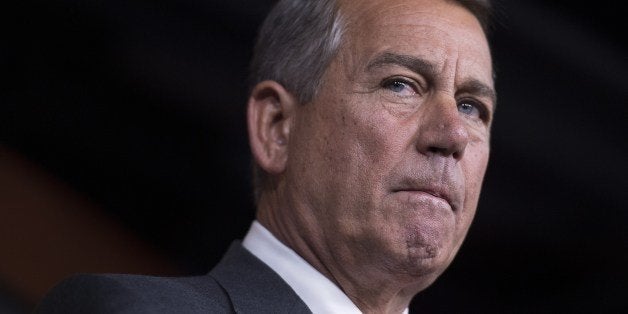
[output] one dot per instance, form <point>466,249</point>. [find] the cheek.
<point>474,166</point>
<point>330,150</point>
<point>380,137</point>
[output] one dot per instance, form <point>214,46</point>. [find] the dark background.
<point>139,106</point>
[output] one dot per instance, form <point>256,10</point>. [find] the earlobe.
<point>270,111</point>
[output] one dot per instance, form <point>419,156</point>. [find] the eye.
<point>400,86</point>
<point>471,108</point>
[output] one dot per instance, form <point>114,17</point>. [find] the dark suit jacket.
<point>240,283</point>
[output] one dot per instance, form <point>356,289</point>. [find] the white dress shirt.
<point>317,292</point>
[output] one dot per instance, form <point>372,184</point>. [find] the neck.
<point>371,289</point>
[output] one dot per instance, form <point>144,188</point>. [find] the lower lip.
<point>424,198</point>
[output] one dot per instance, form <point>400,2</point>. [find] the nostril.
<point>439,150</point>
<point>453,151</point>
<point>436,150</point>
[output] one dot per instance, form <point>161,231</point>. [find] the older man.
<point>369,122</point>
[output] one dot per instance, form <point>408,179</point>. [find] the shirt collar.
<point>317,291</point>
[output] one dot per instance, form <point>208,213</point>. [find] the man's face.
<point>386,164</point>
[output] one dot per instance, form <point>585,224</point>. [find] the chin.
<point>423,265</point>
<point>419,273</point>
<point>427,253</point>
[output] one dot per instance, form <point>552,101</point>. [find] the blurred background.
<point>123,149</point>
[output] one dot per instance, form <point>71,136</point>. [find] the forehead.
<point>440,31</point>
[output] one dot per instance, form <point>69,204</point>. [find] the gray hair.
<point>297,42</point>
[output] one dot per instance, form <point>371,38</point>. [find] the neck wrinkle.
<point>281,221</point>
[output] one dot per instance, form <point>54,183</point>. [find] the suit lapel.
<point>253,286</point>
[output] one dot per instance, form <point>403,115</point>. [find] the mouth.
<point>434,194</point>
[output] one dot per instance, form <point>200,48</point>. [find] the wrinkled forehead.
<point>370,11</point>
<point>435,30</point>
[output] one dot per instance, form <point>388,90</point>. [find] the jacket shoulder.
<point>91,293</point>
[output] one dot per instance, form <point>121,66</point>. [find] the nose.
<point>442,129</point>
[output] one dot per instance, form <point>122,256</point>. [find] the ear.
<point>270,112</point>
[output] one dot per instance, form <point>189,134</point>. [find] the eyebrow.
<point>412,63</point>
<point>476,87</point>
<point>424,67</point>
